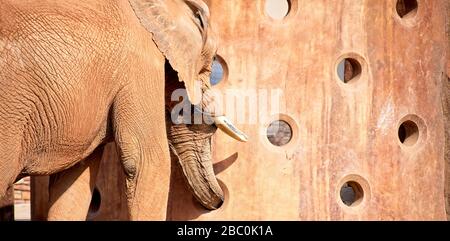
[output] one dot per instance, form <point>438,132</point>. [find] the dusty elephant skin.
<point>75,75</point>
<point>190,146</point>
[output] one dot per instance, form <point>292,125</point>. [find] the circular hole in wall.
<point>407,8</point>
<point>349,69</point>
<point>351,193</point>
<point>219,70</point>
<point>277,9</point>
<point>279,133</point>
<point>96,201</point>
<point>408,133</point>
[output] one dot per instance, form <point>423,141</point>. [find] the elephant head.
<point>181,30</point>
<point>190,143</point>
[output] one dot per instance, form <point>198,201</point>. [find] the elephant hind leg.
<point>10,167</point>
<point>70,191</point>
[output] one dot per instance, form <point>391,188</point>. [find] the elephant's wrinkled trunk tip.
<point>210,194</point>
<point>215,202</point>
<point>198,171</point>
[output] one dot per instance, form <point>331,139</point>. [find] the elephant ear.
<point>179,30</point>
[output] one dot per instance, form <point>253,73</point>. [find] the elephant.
<point>76,75</point>
<point>76,184</point>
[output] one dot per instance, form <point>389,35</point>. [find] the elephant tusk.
<point>226,126</point>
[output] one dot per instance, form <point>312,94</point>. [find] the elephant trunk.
<point>195,160</point>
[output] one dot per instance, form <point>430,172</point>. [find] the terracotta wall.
<point>447,116</point>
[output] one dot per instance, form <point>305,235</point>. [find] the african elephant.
<point>75,75</point>
<point>76,184</point>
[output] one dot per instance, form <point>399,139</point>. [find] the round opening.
<point>407,8</point>
<point>277,9</point>
<point>218,70</point>
<point>352,194</point>
<point>349,69</point>
<point>279,133</point>
<point>408,133</point>
<point>96,201</point>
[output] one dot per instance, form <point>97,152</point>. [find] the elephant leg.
<point>10,166</point>
<point>141,141</point>
<point>70,191</point>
